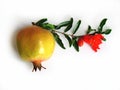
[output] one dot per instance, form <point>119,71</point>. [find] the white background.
<point>66,69</point>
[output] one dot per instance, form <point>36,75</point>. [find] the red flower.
<point>93,40</point>
<point>80,41</point>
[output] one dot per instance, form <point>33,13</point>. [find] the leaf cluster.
<point>44,24</point>
<point>100,28</point>
<point>71,38</point>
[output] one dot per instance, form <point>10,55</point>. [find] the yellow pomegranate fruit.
<point>35,44</point>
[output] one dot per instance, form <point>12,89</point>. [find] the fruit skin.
<point>35,44</point>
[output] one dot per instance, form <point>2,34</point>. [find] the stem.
<point>72,35</point>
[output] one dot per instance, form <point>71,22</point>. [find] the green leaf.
<point>69,26</point>
<point>89,29</point>
<point>62,24</point>
<point>69,39</point>
<point>75,45</point>
<point>76,26</point>
<point>58,40</point>
<point>108,31</point>
<point>102,23</point>
<point>104,39</point>
<point>38,23</point>
<point>48,26</point>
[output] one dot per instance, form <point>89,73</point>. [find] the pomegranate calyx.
<point>37,65</point>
